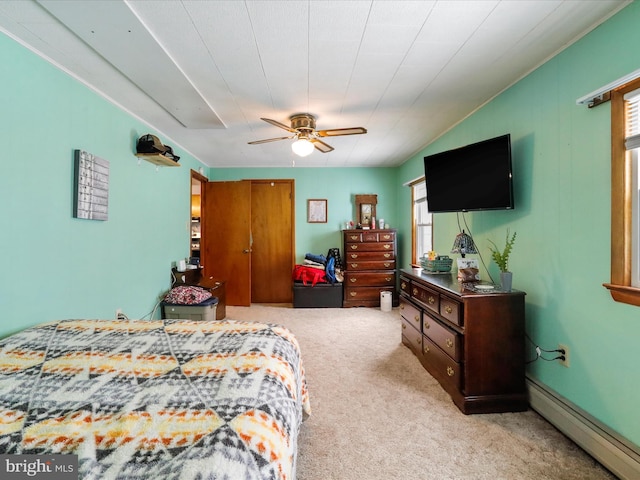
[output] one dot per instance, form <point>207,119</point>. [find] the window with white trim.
<point>422,221</point>
<point>625,207</point>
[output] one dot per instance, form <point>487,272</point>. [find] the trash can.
<point>386,299</point>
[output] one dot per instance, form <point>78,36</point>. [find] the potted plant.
<point>502,260</point>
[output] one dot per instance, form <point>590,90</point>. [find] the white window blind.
<point>632,121</point>
<point>632,145</point>
<point>423,221</point>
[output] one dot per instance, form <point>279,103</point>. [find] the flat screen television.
<point>473,177</point>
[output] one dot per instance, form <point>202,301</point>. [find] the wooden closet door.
<point>272,226</point>
<point>226,251</point>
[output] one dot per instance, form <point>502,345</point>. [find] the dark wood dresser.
<point>369,266</point>
<point>471,342</point>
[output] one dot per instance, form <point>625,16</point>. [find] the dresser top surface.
<point>449,282</point>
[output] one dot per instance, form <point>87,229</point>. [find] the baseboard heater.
<point>616,453</point>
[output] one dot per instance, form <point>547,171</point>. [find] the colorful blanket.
<point>166,399</point>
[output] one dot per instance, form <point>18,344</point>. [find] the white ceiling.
<point>201,73</point>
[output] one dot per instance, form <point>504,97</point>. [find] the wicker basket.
<point>438,264</point>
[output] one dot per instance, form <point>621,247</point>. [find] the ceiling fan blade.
<point>275,123</point>
<point>320,145</point>
<point>256,142</point>
<point>341,131</point>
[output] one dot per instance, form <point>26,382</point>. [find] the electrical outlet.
<point>565,349</point>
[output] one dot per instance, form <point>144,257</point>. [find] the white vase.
<point>505,281</point>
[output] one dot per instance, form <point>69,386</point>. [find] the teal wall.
<point>561,161</point>
<point>56,266</point>
<point>339,186</point>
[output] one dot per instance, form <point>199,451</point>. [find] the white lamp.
<point>302,147</point>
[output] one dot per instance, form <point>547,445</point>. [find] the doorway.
<point>196,215</point>
<point>273,257</point>
<point>248,239</point>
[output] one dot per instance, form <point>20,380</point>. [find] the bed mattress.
<point>166,399</point>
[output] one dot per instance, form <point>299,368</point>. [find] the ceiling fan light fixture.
<point>302,147</point>
<point>303,128</point>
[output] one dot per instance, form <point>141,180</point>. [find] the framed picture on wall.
<point>316,210</point>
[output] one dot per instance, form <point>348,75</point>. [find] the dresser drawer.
<point>353,237</point>
<point>355,294</point>
<point>360,255</point>
<point>428,297</point>
<point>410,313</point>
<point>441,366</point>
<point>405,285</point>
<point>369,247</point>
<point>451,310</point>
<point>412,338</point>
<point>370,236</point>
<point>370,265</point>
<point>387,236</point>
<point>369,279</point>
<point>448,340</point>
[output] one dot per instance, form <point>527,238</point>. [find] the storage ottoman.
<point>202,311</point>
<point>320,295</point>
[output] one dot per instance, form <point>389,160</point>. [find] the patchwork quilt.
<point>165,399</point>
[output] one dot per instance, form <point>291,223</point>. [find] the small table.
<point>218,288</point>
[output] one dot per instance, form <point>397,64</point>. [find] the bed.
<point>163,399</point>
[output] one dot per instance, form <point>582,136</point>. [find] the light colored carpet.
<point>377,414</point>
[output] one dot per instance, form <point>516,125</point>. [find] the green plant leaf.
<point>502,257</point>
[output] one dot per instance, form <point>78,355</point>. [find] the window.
<point>632,146</point>
<point>422,221</point>
<point>625,210</point>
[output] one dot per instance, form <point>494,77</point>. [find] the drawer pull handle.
<point>386,237</point>
<point>354,255</point>
<point>353,294</point>
<point>386,264</point>
<point>388,279</point>
<point>418,341</point>
<point>432,300</point>
<point>387,255</point>
<point>404,326</point>
<point>354,247</point>
<point>402,306</point>
<point>426,349</point>
<point>426,325</point>
<point>354,265</point>
<point>417,318</point>
<point>353,280</point>
<point>448,309</point>
<point>449,343</point>
<point>387,246</point>
<point>354,237</point>
<point>450,371</point>
<point>415,292</point>
<point>403,285</point>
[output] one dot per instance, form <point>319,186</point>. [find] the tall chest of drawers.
<point>472,343</point>
<point>369,266</point>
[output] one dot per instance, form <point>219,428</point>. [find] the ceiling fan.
<point>303,128</point>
